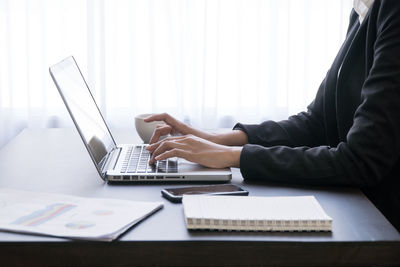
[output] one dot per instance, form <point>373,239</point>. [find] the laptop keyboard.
<point>137,158</point>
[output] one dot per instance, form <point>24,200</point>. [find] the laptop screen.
<point>83,109</point>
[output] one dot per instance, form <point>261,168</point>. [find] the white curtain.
<point>208,62</point>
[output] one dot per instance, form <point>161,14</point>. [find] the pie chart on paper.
<point>78,225</point>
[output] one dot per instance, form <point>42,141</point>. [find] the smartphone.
<point>175,194</point>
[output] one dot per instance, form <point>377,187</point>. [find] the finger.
<point>163,147</point>
<point>168,145</point>
<point>151,118</point>
<point>176,152</point>
<point>166,118</point>
<point>154,146</point>
<point>158,117</point>
<point>160,131</point>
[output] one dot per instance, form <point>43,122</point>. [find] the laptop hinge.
<point>112,159</point>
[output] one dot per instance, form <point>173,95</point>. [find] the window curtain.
<point>210,63</point>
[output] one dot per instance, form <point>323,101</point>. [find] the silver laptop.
<point>118,163</point>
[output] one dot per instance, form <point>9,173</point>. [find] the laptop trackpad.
<point>187,166</point>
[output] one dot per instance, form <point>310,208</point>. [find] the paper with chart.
<point>70,216</point>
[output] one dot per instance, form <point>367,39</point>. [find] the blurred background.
<point>211,63</point>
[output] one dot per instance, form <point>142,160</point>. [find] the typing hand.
<point>174,127</point>
<point>195,149</point>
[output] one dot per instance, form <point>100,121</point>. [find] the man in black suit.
<point>349,136</point>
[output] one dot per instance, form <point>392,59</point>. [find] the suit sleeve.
<point>372,146</point>
<point>305,128</point>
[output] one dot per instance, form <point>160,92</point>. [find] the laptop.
<point>123,162</point>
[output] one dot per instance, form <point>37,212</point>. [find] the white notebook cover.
<point>243,213</point>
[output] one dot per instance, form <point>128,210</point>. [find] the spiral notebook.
<point>242,213</point>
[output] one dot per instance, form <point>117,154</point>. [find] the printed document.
<point>70,216</point>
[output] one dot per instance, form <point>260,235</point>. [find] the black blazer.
<point>350,134</point>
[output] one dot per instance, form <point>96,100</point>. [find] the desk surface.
<point>55,160</point>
